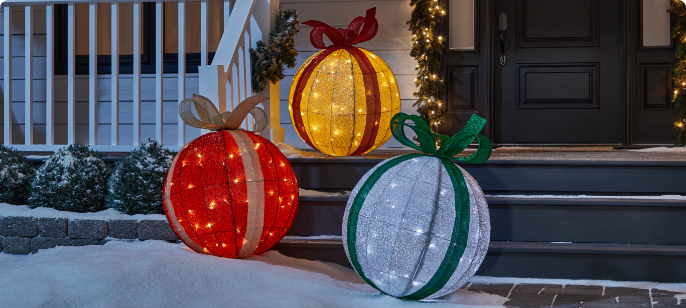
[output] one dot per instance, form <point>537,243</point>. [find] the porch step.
<point>543,173</point>
<point>628,262</point>
<point>635,220</point>
<point>637,238</point>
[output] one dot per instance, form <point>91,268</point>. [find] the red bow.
<point>344,37</point>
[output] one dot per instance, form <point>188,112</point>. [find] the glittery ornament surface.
<point>408,227</point>
<point>231,194</point>
<point>342,98</point>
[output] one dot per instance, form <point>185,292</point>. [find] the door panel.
<point>652,112</point>
<point>563,80</point>
<point>467,74</point>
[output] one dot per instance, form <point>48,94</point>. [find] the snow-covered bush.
<point>135,186</point>
<point>72,179</point>
<point>15,175</point>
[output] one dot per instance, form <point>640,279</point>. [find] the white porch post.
<point>274,131</point>
<point>28,74</point>
<point>8,73</point>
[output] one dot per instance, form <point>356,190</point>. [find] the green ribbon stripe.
<point>357,206</point>
<point>427,144</point>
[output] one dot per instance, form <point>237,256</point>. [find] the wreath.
<point>268,60</point>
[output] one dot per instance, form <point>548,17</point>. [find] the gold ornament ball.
<point>342,100</point>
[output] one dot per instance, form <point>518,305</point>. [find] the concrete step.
<point>650,220</point>
<point>598,261</point>
<point>636,238</point>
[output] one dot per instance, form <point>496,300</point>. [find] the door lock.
<point>502,21</point>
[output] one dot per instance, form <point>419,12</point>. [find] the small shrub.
<point>15,176</point>
<point>135,186</point>
<point>72,179</point>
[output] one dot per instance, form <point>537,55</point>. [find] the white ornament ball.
<point>412,231</point>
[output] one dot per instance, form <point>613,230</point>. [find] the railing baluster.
<point>49,77</point>
<point>203,32</point>
<point>181,76</point>
<point>71,98</point>
<point>137,73</point>
<point>239,79</point>
<point>28,74</point>
<point>227,12</point>
<point>235,85</point>
<point>247,84</point>
<point>159,65</point>
<point>93,74</point>
<point>8,74</point>
<point>114,26</point>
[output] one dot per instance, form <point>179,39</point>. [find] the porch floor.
<point>557,154</point>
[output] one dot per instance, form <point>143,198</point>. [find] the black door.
<point>563,80</point>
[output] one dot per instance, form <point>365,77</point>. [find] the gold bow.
<point>211,119</point>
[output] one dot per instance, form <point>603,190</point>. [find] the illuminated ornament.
<point>343,98</point>
<point>229,193</point>
<point>417,226</point>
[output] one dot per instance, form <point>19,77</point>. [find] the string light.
<point>425,31</point>
<point>678,11</point>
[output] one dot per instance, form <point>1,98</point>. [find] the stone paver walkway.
<point>574,296</point>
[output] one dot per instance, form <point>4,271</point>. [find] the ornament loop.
<point>450,146</point>
<point>344,37</point>
<point>211,119</point>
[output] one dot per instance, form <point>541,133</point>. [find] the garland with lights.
<point>678,11</point>
<point>267,60</point>
<point>427,46</point>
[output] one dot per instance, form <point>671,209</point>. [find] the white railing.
<point>248,22</point>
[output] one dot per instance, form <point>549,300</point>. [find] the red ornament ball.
<point>230,193</point>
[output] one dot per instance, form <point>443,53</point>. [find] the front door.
<point>562,81</point>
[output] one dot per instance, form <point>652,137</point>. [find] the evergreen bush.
<point>72,179</point>
<point>135,186</point>
<point>15,176</point>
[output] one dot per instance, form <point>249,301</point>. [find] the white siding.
<point>392,43</point>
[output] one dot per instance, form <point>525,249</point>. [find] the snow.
<point>662,149</point>
<point>40,212</point>
<point>314,193</point>
<point>291,152</point>
<point>315,237</point>
<point>663,197</point>
<point>162,274</point>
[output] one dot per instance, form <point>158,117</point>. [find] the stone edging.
<point>23,235</point>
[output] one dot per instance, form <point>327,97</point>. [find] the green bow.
<point>450,146</point>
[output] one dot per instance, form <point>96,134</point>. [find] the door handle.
<point>502,21</point>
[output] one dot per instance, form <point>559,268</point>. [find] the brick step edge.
<point>23,235</point>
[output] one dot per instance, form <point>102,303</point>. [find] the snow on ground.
<point>108,214</point>
<point>663,197</point>
<point>162,274</point>
<point>662,149</point>
<point>291,152</point>
<point>314,193</point>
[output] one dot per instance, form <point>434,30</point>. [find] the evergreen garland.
<point>135,186</point>
<point>15,175</point>
<point>678,11</point>
<point>267,60</point>
<point>427,46</point>
<point>72,179</point>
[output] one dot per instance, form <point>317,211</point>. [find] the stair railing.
<point>248,22</point>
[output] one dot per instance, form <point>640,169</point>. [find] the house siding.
<point>392,43</point>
